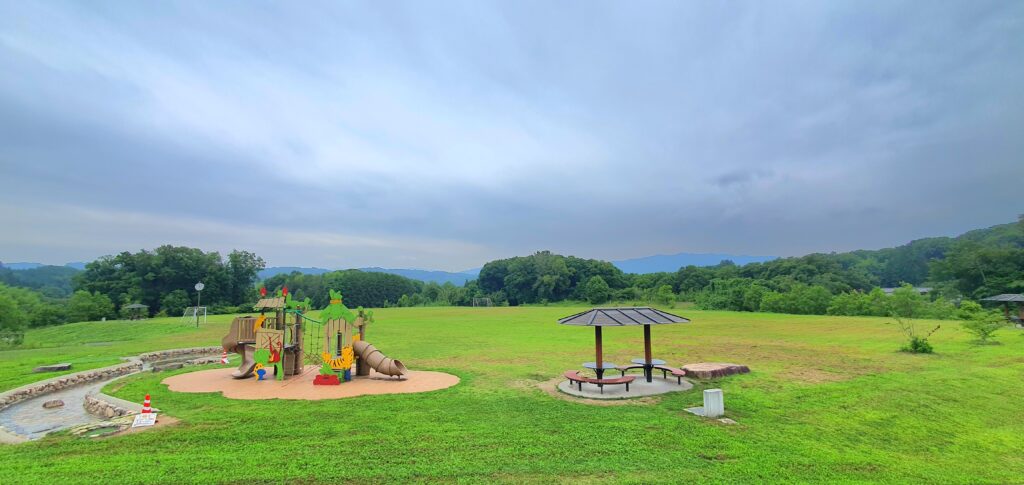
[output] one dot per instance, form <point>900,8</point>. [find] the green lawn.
<point>829,400</point>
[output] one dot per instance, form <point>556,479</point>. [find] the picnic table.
<point>599,370</point>
<point>648,368</point>
<point>621,317</point>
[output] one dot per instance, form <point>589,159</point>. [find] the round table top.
<point>604,365</point>
<point>653,361</point>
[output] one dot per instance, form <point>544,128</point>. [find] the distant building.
<point>920,290</point>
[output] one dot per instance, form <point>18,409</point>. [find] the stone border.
<point>104,406</point>
<point>133,365</point>
<point>99,404</point>
<point>58,383</point>
<point>165,354</point>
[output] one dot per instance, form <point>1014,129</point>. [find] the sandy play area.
<point>301,386</point>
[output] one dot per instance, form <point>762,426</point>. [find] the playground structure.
<point>284,338</point>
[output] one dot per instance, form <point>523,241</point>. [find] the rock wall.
<point>134,365</point>
<point>169,354</point>
<point>57,383</point>
<point>105,409</point>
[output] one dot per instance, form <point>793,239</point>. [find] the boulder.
<point>714,370</point>
<point>52,367</point>
<point>56,403</point>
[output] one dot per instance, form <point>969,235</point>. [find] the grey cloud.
<point>507,128</point>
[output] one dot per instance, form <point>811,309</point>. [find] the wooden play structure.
<point>267,340</point>
<point>283,338</point>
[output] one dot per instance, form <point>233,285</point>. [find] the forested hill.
<point>986,259</point>
<point>53,281</point>
<point>976,264</point>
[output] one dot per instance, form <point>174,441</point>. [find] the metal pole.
<point>647,353</point>
<point>600,358</point>
<point>199,298</point>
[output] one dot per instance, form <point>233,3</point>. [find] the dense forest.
<point>51,281</point>
<point>162,279</point>
<point>974,265</point>
<point>971,266</point>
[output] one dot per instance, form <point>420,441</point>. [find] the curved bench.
<point>677,373</point>
<point>574,377</point>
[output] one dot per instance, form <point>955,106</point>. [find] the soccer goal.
<point>482,302</point>
<point>194,314</point>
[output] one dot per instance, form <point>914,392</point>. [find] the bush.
<point>85,307</point>
<point>916,343</point>
<point>224,309</point>
<point>969,310</point>
<point>983,324</point>
<point>800,299</point>
<point>11,317</point>
<point>906,302</point>
<point>175,302</point>
<point>597,290</point>
<point>665,296</point>
<point>631,293</point>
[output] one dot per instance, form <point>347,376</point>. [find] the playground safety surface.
<point>300,387</point>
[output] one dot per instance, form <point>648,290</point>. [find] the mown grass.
<point>829,400</point>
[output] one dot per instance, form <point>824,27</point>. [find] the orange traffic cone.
<point>224,357</point>
<point>146,405</point>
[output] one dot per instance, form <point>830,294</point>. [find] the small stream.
<point>30,419</point>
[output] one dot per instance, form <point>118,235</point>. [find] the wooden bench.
<point>574,377</point>
<point>677,373</point>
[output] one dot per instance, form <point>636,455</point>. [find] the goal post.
<point>482,302</point>
<point>194,314</point>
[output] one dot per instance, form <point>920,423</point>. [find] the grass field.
<point>829,400</point>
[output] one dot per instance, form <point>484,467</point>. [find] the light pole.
<point>199,298</point>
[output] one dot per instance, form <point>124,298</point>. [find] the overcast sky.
<point>442,135</point>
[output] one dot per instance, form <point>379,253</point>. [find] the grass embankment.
<point>829,399</point>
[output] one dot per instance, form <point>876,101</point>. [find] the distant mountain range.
<point>20,266</point>
<point>649,264</point>
<point>440,277</point>
<point>672,262</point>
<point>276,270</point>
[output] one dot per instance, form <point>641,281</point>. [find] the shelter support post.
<point>600,351</point>
<point>648,369</point>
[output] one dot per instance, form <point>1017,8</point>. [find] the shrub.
<point>84,306</point>
<point>665,296</point>
<point>597,290</point>
<point>984,324</point>
<point>800,299</point>
<point>175,302</point>
<point>916,343</point>
<point>969,310</point>
<point>11,317</point>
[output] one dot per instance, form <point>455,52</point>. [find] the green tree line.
<point>974,265</point>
